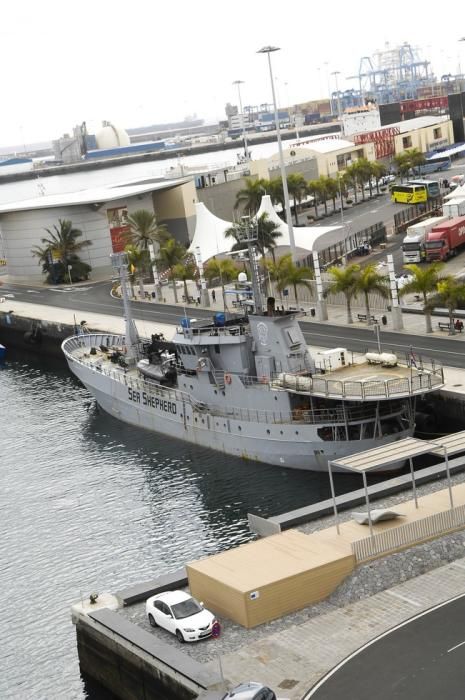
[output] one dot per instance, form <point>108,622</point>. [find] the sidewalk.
<point>292,660</point>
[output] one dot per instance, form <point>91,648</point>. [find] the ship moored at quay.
<point>248,386</point>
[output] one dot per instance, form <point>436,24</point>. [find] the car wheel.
<point>179,636</point>
<point>152,621</point>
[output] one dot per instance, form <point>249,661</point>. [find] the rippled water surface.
<point>88,503</point>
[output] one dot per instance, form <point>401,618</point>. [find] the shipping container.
<point>444,240</point>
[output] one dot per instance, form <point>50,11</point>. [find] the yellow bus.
<point>409,194</point>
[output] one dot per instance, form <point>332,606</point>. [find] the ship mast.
<point>248,233</point>
<point>119,262</point>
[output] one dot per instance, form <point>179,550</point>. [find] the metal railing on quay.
<point>409,534</point>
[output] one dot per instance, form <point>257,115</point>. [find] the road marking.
<point>404,598</point>
<point>456,647</point>
<point>310,693</point>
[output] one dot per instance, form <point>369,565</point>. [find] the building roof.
<point>400,451</point>
<point>418,123</point>
<point>329,145</point>
<point>209,232</point>
<point>95,195</point>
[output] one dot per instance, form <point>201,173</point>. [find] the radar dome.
<point>242,277</point>
<point>111,136</point>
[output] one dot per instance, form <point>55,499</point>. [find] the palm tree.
<point>186,270</point>
<point>137,259</point>
<point>297,186</point>
<point>314,188</point>
<point>415,158</point>
<point>324,191</point>
<point>362,168</point>
<point>369,280</point>
<point>378,170</point>
<point>268,232</point>
<point>60,253</point>
<point>351,176</point>
<point>143,229</point>
<point>249,197</point>
<point>344,280</point>
<point>285,272</point>
<point>450,292</point>
<point>402,161</point>
<point>172,253</point>
<point>275,188</point>
<point>425,281</point>
<point>63,241</point>
<point>225,270</point>
<point>332,186</point>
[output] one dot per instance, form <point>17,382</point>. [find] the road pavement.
<point>422,658</point>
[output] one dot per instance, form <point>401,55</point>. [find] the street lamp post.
<point>244,135</point>
<point>329,88</point>
<point>204,296</point>
<point>338,97</point>
<point>156,277</point>
<point>460,68</point>
<point>268,50</point>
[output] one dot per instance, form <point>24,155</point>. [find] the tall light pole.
<point>326,63</point>
<point>460,67</point>
<point>244,135</point>
<point>268,50</point>
<point>336,73</point>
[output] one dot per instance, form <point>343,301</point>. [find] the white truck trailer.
<point>413,245</point>
<point>454,207</point>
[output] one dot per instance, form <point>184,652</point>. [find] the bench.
<point>363,317</point>
<point>190,299</point>
<point>446,327</point>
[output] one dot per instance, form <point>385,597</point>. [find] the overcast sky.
<point>141,62</point>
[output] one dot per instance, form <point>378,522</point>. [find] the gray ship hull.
<point>294,446</point>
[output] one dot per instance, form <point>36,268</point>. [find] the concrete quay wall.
<point>131,662</point>
<point>38,336</point>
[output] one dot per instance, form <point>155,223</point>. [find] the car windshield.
<point>186,608</point>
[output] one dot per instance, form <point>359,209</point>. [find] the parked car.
<point>250,691</point>
<point>179,613</point>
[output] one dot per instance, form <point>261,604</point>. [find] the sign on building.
<point>119,229</point>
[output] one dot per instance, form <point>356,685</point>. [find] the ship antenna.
<point>119,262</point>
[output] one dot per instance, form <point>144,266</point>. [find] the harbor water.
<point>91,504</point>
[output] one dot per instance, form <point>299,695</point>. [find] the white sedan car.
<point>180,614</point>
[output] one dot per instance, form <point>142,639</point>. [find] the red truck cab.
<point>443,241</point>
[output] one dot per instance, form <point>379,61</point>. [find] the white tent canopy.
<point>209,232</point>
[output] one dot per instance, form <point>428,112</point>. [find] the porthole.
<point>239,427</point>
<point>296,432</point>
<point>281,432</point>
<point>268,432</point>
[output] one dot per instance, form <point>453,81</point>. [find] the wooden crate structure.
<point>263,580</point>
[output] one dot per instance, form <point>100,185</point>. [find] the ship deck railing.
<point>414,382</point>
<point>213,331</point>
<point>323,416</point>
<point>339,415</point>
